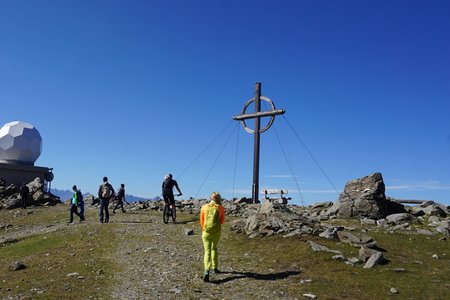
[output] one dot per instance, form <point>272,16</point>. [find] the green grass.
<point>49,257</point>
<point>275,262</point>
<point>336,280</point>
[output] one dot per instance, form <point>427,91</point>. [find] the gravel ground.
<point>161,261</point>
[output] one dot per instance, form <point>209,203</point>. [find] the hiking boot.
<point>206,277</point>
<point>216,271</point>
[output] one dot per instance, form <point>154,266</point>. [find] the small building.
<point>20,147</point>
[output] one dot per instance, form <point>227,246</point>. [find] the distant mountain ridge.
<point>66,195</point>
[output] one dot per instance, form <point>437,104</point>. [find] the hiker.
<point>167,190</point>
<point>212,216</point>
<point>74,204</point>
<point>24,192</point>
<point>120,197</point>
<point>105,193</point>
<point>80,201</point>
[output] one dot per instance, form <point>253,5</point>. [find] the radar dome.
<point>20,143</point>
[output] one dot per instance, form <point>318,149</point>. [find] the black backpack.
<point>80,196</point>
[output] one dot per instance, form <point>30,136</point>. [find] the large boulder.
<point>365,197</point>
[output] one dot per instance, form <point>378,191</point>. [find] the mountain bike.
<point>170,212</point>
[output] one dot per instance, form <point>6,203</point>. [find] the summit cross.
<point>257,115</point>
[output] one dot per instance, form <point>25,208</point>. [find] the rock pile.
<point>274,218</point>
<point>10,197</point>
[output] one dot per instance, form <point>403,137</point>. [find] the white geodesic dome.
<point>20,143</point>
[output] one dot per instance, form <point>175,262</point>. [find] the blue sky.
<point>137,89</point>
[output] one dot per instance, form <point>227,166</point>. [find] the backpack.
<point>212,220</point>
<point>79,196</point>
<point>106,191</point>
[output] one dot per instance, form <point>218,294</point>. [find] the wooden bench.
<point>281,199</point>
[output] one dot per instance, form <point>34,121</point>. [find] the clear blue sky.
<point>137,89</point>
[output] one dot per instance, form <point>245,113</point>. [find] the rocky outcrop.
<point>274,218</point>
<point>10,197</point>
<point>365,197</point>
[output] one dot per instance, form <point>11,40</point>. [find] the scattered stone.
<point>365,253</point>
<point>331,232</point>
<point>382,222</point>
<point>393,290</point>
<point>433,220</point>
<point>443,230</point>
<point>320,248</point>
<point>368,221</point>
<point>397,219</point>
<point>175,290</point>
<point>400,227</point>
<point>435,256</point>
<point>74,274</point>
<point>304,281</point>
<point>309,295</point>
<point>5,226</point>
<point>424,232</point>
<point>398,270</point>
<point>18,265</point>
<point>8,240</point>
<point>374,260</point>
<point>356,240</point>
<point>353,260</point>
<point>338,257</point>
<point>188,231</point>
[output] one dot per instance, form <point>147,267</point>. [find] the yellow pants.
<point>210,242</point>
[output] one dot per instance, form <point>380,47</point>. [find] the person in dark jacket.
<point>105,193</point>
<point>120,197</point>
<point>24,192</point>
<point>80,201</point>
<point>74,205</point>
<point>167,190</point>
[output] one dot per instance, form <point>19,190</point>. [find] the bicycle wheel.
<point>174,214</point>
<point>166,214</point>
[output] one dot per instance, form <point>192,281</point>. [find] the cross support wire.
<point>257,115</point>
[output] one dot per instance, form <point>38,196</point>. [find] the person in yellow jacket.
<point>212,216</point>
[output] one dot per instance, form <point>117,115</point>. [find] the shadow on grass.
<point>256,276</point>
<point>133,222</point>
<point>188,221</point>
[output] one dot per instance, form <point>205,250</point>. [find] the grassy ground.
<point>271,267</point>
<point>50,257</point>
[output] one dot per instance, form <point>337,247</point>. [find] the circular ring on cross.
<point>272,118</point>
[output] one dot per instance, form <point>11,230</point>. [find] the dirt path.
<point>162,262</point>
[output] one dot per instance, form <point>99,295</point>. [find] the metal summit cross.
<point>257,115</point>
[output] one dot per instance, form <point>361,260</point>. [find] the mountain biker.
<point>167,190</point>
